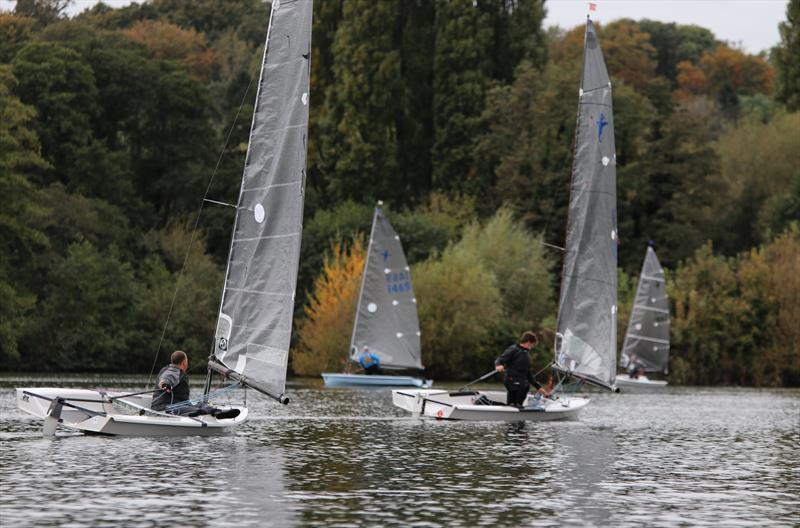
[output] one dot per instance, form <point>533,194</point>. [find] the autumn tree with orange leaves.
<point>325,332</point>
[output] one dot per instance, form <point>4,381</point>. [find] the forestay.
<point>255,319</point>
<point>647,338</point>
<point>586,339</point>
<point>386,317</point>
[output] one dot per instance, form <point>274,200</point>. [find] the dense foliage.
<point>460,114</point>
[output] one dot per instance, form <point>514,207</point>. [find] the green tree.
<point>521,268</point>
<point>60,84</point>
<point>359,137</point>
<point>175,151</point>
<point>20,241</point>
<point>82,316</point>
<point>785,57</point>
<point>459,305</point>
<point>462,79</point>
<point>758,162</point>
<point>15,31</point>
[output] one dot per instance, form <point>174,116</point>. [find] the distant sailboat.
<point>253,330</point>
<point>585,342</point>
<point>647,338</point>
<point>386,323</point>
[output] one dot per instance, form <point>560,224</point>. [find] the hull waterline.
<point>364,380</point>
<point>640,384</point>
<point>444,405</point>
<point>95,413</point>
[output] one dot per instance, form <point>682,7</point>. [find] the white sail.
<point>587,321</point>
<point>255,318</point>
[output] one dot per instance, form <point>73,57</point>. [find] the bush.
<point>459,305</point>
<point>324,335</point>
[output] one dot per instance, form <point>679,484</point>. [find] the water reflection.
<point>337,457</point>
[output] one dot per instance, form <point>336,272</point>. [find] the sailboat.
<point>647,338</point>
<point>386,323</point>
<point>585,347</point>
<point>254,324</point>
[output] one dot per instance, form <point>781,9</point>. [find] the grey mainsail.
<point>386,317</point>
<point>586,335</point>
<point>647,338</point>
<point>255,319</point>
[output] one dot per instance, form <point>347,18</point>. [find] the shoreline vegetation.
<point>459,115</point>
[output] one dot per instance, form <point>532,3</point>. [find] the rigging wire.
<point>194,231</point>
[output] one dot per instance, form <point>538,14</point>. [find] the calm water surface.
<point>349,458</point>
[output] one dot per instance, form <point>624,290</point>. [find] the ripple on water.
<point>344,458</point>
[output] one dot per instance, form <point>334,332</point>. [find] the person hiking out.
<point>172,387</point>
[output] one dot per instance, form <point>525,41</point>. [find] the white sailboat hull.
<point>642,383</point>
<point>442,405</point>
<point>126,417</point>
<point>364,380</point>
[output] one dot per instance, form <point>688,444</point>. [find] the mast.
<point>353,350</point>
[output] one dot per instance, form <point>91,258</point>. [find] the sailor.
<point>516,363</point>
<point>369,361</point>
<point>172,387</point>
<point>635,369</point>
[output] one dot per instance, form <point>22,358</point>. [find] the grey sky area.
<point>753,24</point>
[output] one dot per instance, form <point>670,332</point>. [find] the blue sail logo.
<point>601,124</point>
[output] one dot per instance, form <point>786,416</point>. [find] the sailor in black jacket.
<point>516,363</point>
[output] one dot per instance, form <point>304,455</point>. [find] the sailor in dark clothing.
<point>516,363</point>
<point>172,386</point>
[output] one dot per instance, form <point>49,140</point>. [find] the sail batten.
<point>647,338</point>
<point>386,320</point>
<point>586,333</point>
<point>255,319</point>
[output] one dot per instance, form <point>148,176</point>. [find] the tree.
<point>462,79</point>
<point>324,335</point>
<point>20,242</point>
<point>43,11</point>
<point>60,84</point>
<point>676,43</point>
<point>521,268</point>
<point>359,137</point>
<point>196,289</point>
<point>15,31</point>
<point>758,162</point>
<point>82,318</point>
<point>459,306</point>
<point>785,58</point>
<point>174,152</point>
<point>167,41</point>
<point>725,74</point>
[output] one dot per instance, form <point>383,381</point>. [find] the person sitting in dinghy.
<point>369,361</point>
<point>516,363</point>
<point>635,369</point>
<point>172,387</point>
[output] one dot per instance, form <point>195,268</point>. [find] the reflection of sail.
<point>258,483</point>
<point>584,457</point>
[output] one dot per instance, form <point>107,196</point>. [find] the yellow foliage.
<point>326,330</point>
<point>171,42</point>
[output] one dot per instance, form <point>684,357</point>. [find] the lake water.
<point>713,456</point>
